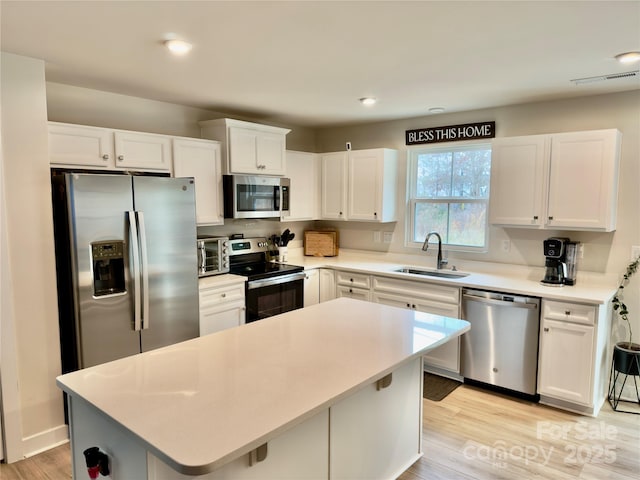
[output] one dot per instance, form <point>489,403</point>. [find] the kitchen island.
<point>329,391</point>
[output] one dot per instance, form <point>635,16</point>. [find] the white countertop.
<point>201,403</point>
<point>592,289</point>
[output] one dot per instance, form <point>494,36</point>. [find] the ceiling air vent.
<point>602,78</point>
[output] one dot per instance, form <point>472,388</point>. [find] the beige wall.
<point>84,106</point>
<point>34,411</point>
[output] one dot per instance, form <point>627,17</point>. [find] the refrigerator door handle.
<point>135,251</point>
<point>145,272</point>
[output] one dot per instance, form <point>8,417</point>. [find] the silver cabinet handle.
<point>120,157</point>
<point>105,156</point>
<point>223,295</point>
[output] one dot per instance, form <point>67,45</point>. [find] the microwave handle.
<point>276,195</point>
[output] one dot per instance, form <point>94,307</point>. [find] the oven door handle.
<point>267,282</point>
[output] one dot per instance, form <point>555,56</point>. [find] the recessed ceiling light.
<point>436,110</point>
<point>628,57</point>
<point>178,47</point>
<point>368,101</point>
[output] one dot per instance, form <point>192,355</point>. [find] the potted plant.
<point>626,355</point>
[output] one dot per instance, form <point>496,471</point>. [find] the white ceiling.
<point>308,62</point>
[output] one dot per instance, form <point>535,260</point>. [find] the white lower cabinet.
<point>327,284</point>
<point>300,453</point>
<point>428,298</point>
<point>353,285</point>
<point>376,432</point>
<point>222,304</point>
<point>311,287</point>
<point>567,347</point>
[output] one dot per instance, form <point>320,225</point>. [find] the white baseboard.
<point>45,440</point>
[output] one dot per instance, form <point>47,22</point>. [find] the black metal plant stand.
<point>627,364</point>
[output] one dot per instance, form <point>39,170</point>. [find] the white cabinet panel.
<point>248,148</point>
<point>303,169</point>
<point>222,304</point>
<point>327,285</point>
<point>145,151</point>
<point>563,181</point>
<point>77,145</point>
<point>311,287</point>
<point>334,185</point>
<point>200,159</point>
<point>376,434</point>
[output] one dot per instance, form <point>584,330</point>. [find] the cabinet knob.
<point>340,213</point>
<point>351,290</point>
<point>546,329</point>
<point>384,382</point>
<point>413,306</point>
<point>223,295</point>
<point>535,217</point>
<point>550,218</point>
<point>567,312</point>
<point>105,156</point>
<point>120,157</point>
<point>375,214</point>
<point>408,305</point>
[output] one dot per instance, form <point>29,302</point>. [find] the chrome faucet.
<point>440,262</point>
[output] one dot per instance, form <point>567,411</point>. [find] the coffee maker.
<point>555,262</point>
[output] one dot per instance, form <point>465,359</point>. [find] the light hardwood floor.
<point>474,434</point>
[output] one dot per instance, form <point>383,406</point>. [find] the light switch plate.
<point>388,237</point>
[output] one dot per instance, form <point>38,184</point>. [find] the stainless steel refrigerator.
<point>127,265</point>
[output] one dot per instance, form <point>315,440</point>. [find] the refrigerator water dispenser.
<point>108,268</point>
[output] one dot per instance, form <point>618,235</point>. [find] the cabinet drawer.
<point>226,293</point>
<point>569,312</point>
<point>422,290</point>
<point>353,292</point>
<point>358,280</point>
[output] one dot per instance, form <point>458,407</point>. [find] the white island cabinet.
<point>241,403</point>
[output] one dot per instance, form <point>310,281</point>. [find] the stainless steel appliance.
<point>571,259</point>
<point>555,261</point>
<point>271,288</point>
<point>501,349</point>
<point>126,265</point>
<point>213,255</point>
<point>255,196</point>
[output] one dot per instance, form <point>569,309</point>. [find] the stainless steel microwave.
<point>255,196</point>
<point>213,255</point>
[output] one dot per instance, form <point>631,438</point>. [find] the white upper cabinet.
<point>565,181</point>
<point>248,148</point>
<point>200,159</point>
<point>360,185</point>
<point>334,185</point>
<point>303,169</point>
<point>101,148</point>
<point>76,145</point>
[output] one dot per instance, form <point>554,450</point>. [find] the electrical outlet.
<point>377,237</point>
<point>388,237</point>
<point>635,252</point>
<point>506,245</point>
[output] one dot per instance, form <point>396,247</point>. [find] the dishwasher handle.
<point>502,303</point>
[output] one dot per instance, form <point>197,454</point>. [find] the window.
<point>449,194</point>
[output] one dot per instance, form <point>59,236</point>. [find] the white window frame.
<point>412,159</point>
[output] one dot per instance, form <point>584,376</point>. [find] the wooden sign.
<point>451,133</point>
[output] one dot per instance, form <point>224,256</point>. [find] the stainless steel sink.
<point>432,273</point>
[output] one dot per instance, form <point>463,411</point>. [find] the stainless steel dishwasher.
<point>501,349</point>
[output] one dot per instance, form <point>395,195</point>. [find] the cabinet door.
<point>201,160</point>
<point>377,433</point>
<point>223,316</point>
<point>334,185</point>
<point>242,150</point>
<point>142,151</point>
<point>327,285</point>
<point>365,175</point>
<point>271,157</point>
<point>565,368</point>
<point>518,188</point>
<point>304,171</point>
<point>311,288</point>
<point>82,146</point>
<point>583,180</point>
